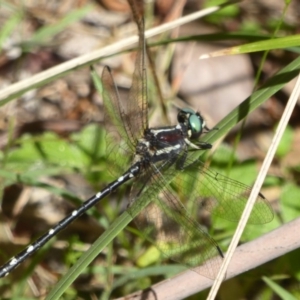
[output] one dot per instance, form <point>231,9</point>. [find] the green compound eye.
<point>195,123</point>
<point>192,120</point>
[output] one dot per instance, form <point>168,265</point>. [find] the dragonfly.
<point>164,167</point>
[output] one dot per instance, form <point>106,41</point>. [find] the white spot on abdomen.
<point>13,261</point>
<point>29,249</point>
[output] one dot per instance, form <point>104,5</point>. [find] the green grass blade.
<point>279,290</point>
<point>9,26</point>
<point>276,43</point>
<point>257,98</point>
<point>119,224</point>
<point>214,37</point>
<point>290,42</point>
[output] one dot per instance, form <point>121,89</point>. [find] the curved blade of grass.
<point>258,97</point>
<point>279,290</point>
<point>270,44</point>
<point>214,37</point>
<point>9,26</point>
<point>119,224</point>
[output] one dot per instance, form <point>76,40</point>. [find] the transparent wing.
<point>219,194</point>
<point>119,147</point>
<point>126,120</point>
<point>137,109</point>
<point>130,117</point>
<point>166,223</point>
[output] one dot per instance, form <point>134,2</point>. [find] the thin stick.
<point>19,88</point>
<point>256,188</point>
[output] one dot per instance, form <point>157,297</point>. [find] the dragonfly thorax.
<point>161,143</point>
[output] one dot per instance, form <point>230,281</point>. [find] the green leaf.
<point>289,202</point>
<point>226,12</point>
<point>150,256</point>
<point>285,143</point>
<point>280,291</point>
<point>47,148</point>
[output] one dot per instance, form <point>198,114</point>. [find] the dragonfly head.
<point>193,122</point>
